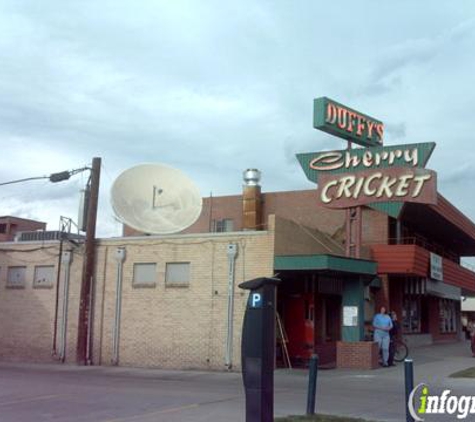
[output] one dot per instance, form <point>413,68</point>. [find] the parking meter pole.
<point>258,349</point>
<point>312,384</point>
<point>409,385</point>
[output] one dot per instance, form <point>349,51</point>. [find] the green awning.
<point>325,263</point>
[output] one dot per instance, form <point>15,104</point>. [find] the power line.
<point>53,178</point>
<point>24,180</point>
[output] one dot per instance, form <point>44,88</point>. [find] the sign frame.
<point>388,185</point>
<point>350,316</point>
<point>436,267</point>
<point>347,123</point>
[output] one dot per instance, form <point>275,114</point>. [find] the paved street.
<point>40,393</point>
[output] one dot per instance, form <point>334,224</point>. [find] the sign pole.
<point>353,228</point>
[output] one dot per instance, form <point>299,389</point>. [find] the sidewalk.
<point>377,394</point>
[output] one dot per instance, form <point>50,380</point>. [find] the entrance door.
<point>332,318</point>
<point>299,316</point>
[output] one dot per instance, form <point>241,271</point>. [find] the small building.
<point>173,292</point>
<point>11,226</point>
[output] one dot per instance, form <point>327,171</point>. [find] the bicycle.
<point>401,351</point>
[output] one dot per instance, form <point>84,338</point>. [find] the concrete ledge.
<point>357,355</point>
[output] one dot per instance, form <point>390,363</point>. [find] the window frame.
<point>447,316</point>
<point>223,225</point>
<point>173,284</point>
<point>411,317</point>
<point>11,285</point>
<point>141,283</point>
<point>48,285</point>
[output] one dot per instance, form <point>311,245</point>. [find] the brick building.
<point>174,297</point>
<point>11,226</point>
<point>411,264</point>
<point>171,310</point>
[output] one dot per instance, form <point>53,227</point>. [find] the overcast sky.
<point>215,87</point>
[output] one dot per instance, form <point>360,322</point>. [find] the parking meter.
<point>258,349</point>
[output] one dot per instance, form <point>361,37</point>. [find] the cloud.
<point>395,130</point>
<point>216,87</point>
<point>412,54</point>
<point>462,175</point>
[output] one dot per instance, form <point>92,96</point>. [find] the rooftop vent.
<point>251,177</point>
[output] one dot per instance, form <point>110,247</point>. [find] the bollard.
<point>312,384</point>
<point>409,385</point>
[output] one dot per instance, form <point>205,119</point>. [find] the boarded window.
<point>145,275</point>
<point>16,277</point>
<point>44,276</point>
<point>177,274</point>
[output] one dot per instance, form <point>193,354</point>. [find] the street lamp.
<point>54,177</point>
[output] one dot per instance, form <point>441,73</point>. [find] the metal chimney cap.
<point>251,177</point>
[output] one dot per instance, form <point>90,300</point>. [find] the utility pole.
<point>85,308</point>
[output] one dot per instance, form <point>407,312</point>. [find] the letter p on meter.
<point>256,300</point>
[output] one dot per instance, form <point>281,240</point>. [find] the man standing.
<point>382,324</point>
<point>471,330</point>
<point>393,336</point>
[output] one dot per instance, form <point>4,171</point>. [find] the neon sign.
<point>369,176</point>
<point>334,160</point>
<point>357,159</point>
<point>346,123</point>
<point>385,185</point>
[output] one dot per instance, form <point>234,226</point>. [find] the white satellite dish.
<point>155,199</point>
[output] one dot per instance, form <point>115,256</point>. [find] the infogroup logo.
<point>421,403</point>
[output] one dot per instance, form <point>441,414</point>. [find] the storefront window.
<point>447,316</point>
<point>411,314</point>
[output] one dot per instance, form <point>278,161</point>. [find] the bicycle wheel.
<point>401,352</point>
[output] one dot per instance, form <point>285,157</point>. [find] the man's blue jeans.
<point>382,338</point>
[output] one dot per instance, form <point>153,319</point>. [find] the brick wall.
<point>357,355</point>
<point>375,227</point>
<point>396,289</point>
<point>176,327</point>
<point>382,297</point>
<point>13,225</point>
<point>299,206</point>
<point>434,328</point>
<point>27,312</point>
<point>214,208</point>
<point>326,353</point>
<point>161,326</point>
